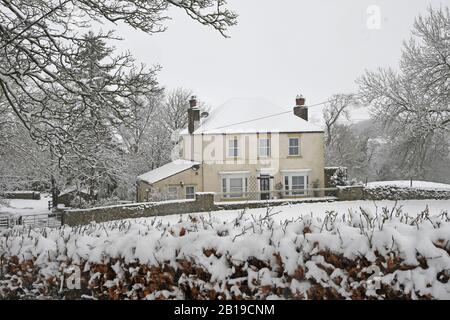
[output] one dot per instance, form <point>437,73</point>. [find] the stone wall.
<point>26,195</point>
<point>396,193</point>
<point>359,192</point>
<point>350,193</point>
<point>203,202</point>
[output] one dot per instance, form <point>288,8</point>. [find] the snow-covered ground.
<point>404,253</point>
<point>26,207</point>
<point>423,185</point>
<point>320,209</point>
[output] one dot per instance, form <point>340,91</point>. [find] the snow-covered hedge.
<point>360,255</point>
<point>403,193</point>
<point>414,184</point>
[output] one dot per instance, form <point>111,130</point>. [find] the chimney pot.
<point>299,100</point>
<point>193,102</point>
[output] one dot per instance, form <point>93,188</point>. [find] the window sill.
<point>295,156</point>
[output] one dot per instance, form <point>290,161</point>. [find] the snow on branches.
<point>42,60</point>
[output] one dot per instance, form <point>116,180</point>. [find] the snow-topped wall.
<point>202,202</point>
<point>403,193</point>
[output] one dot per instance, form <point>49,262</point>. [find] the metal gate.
<point>33,221</point>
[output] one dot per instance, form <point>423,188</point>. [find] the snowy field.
<point>320,209</point>
<point>26,207</point>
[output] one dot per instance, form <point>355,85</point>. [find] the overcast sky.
<point>279,48</point>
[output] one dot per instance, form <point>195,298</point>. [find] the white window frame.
<point>172,195</point>
<point>233,148</point>
<point>186,193</point>
<point>288,183</point>
<point>298,146</point>
<point>225,185</point>
<point>266,147</point>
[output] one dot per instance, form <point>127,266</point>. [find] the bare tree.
<point>174,111</point>
<point>336,109</point>
<point>144,112</point>
<point>174,108</point>
<point>23,165</point>
<point>349,149</point>
<point>413,103</point>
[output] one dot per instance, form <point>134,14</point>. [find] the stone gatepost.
<point>349,193</point>
<point>204,201</point>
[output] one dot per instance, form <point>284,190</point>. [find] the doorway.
<point>264,187</point>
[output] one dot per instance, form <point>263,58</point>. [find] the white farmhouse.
<point>245,149</point>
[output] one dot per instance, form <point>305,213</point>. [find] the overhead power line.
<point>255,119</point>
<point>269,116</point>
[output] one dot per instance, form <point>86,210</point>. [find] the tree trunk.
<point>54,192</point>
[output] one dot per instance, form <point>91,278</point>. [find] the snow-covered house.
<point>70,193</point>
<point>244,149</point>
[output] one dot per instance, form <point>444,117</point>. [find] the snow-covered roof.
<point>70,189</point>
<point>167,170</point>
<point>249,115</point>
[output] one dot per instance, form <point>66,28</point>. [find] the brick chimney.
<point>193,115</point>
<point>300,110</point>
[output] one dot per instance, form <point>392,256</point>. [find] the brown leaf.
<point>299,273</point>
<point>306,230</point>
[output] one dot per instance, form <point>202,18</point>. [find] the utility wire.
<point>269,116</point>
<point>255,119</point>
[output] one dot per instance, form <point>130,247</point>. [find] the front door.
<point>264,187</point>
